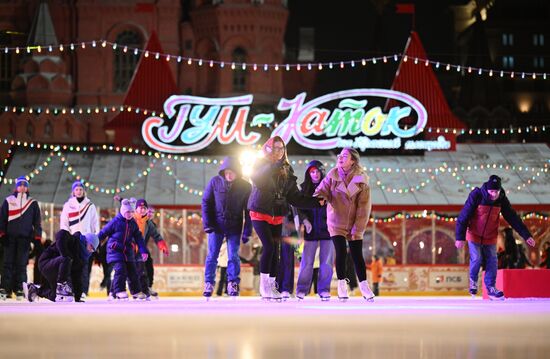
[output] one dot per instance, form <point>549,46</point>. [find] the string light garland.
<point>444,218</point>
<point>241,66</point>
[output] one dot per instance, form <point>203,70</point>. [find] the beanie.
<point>21,181</point>
<point>141,202</point>
<point>126,206</point>
<point>494,182</point>
<point>77,184</point>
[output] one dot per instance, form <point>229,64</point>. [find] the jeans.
<point>326,259</point>
<point>479,253</point>
<point>215,241</point>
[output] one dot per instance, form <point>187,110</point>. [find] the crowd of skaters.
<point>333,208</point>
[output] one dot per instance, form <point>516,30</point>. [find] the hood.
<point>231,163</point>
<point>308,186</point>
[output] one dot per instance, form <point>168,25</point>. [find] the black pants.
<point>16,257</point>
<point>150,270</point>
<point>376,289</point>
<point>356,251</point>
<point>49,269</point>
<point>270,236</point>
<point>285,277</point>
<point>143,281</point>
<point>123,271</point>
<point>222,284</point>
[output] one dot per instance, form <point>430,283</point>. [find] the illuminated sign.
<point>195,122</point>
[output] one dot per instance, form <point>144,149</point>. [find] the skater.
<point>19,226</point>
<point>61,267</point>
<point>346,189</point>
<point>223,213</point>
<point>273,188</point>
<point>285,276</point>
<point>376,267</point>
<point>124,234</point>
<point>79,217</point>
<point>143,217</point>
<point>478,224</point>
<point>316,239</point>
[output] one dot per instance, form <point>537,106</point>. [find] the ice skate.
<point>275,294</point>
<point>4,294</point>
<point>325,296</point>
<point>366,292</point>
<point>19,295</point>
<point>122,296</point>
<point>153,294</point>
<point>30,291</point>
<point>495,294</point>
<point>208,289</point>
<point>473,288</point>
<point>233,289</point>
<point>285,296</point>
<point>265,287</point>
<point>139,296</point>
<point>300,296</point>
<point>111,297</point>
<point>83,297</point>
<point>63,292</point>
<point>343,290</point>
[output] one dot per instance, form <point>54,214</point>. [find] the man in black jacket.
<point>223,211</point>
<point>61,267</point>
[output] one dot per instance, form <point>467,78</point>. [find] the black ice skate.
<point>495,294</point>
<point>64,293</point>
<point>140,296</point>
<point>473,288</point>
<point>153,294</point>
<point>208,289</point>
<point>19,295</point>
<point>31,292</point>
<point>4,294</point>
<point>233,289</point>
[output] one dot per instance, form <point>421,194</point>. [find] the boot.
<point>265,286</point>
<point>366,291</point>
<point>495,294</point>
<point>63,292</point>
<point>30,291</point>
<point>473,288</point>
<point>343,289</point>
<point>275,294</point>
<point>208,289</point>
<point>233,289</point>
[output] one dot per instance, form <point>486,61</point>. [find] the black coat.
<point>224,204</point>
<point>272,193</point>
<point>316,216</point>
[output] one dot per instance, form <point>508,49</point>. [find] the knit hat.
<point>92,239</point>
<point>126,206</point>
<point>77,184</point>
<point>141,202</point>
<point>494,182</point>
<point>21,181</point>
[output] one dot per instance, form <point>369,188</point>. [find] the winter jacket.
<point>123,234</point>
<point>149,229</point>
<point>70,247</point>
<point>20,217</point>
<point>349,206</point>
<point>376,268</point>
<point>79,216</point>
<point>316,216</point>
<point>272,193</point>
<point>224,203</point>
<point>479,218</point>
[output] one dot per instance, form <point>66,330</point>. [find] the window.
<point>507,39</point>
<point>538,39</point>
<point>125,62</point>
<point>508,62</point>
<point>538,62</point>
<point>239,75</point>
<point>48,129</point>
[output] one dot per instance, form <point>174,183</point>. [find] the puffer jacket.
<point>316,216</point>
<point>349,206</point>
<point>478,220</point>
<point>20,217</point>
<point>79,216</point>
<point>224,203</point>
<point>123,234</point>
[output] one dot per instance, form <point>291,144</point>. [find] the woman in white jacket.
<point>79,217</point>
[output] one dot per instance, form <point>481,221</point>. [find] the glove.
<point>2,234</point>
<point>245,239</point>
<point>163,247</point>
<point>307,226</point>
<point>38,239</point>
<point>144,256</point>
<point>459,244</point>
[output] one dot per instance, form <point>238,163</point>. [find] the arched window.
<point>30,130</point>
<point>48,129</point>
<point>239,75</point>
<point>125,62</point>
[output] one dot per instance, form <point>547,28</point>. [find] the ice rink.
<point>247,328</point>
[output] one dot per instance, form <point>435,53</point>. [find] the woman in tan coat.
<point>346,189</point>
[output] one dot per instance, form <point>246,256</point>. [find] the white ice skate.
<point>366,291</point>
<point>300,296</point>
<point>275,294</point>
<point>19,295</point>
<point>139,296</point>
<point>343,290</point>
<point>265,287</point>
<point>31,292</point>
<point>122,296</point>
<point>325,296</point>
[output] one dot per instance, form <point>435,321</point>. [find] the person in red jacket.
<point>478,224</point>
